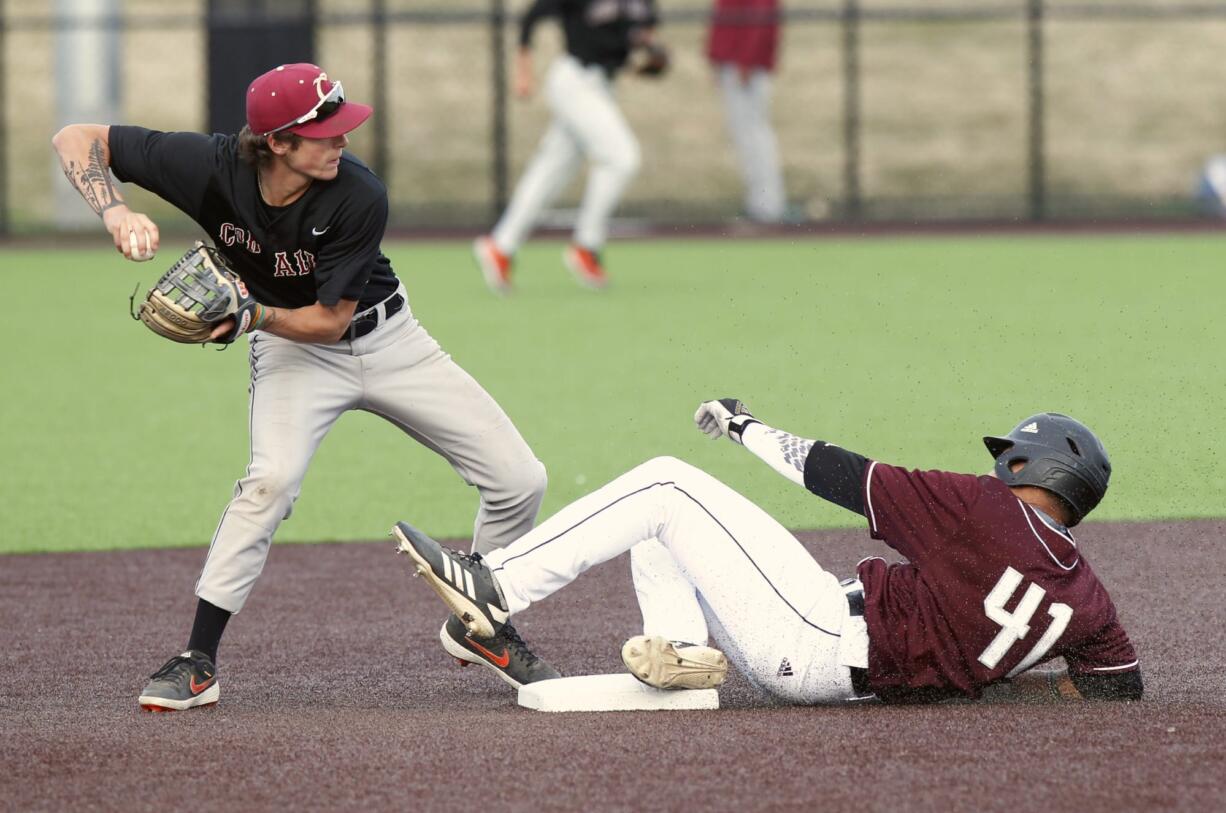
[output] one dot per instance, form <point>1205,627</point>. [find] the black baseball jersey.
<point>598,32</point>
<point>322,247</point>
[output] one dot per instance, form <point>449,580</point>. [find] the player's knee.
<point>667,469</point>
<point>629,160</point>
<point>522,485</point>
<point>533,480</point>
<point>625,161</point>
<point>269,490</point>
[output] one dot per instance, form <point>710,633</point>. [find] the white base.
<point>611,693</point>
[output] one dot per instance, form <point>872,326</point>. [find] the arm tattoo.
<point>93,180</point>
<point>795,450</point>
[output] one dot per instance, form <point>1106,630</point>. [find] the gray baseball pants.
<point>747,114</point>
<point>399,372</point>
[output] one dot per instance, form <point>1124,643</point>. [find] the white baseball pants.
<point>587,123</point>
<point>747,114</point>
<point>399,372</point>
<point>703,558</point>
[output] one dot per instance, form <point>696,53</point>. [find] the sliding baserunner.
<point>994,583</point>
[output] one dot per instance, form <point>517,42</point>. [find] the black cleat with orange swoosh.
<point>185,681</point>
<point>506,653</point>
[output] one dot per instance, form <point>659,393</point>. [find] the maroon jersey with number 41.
<point>992,587</point>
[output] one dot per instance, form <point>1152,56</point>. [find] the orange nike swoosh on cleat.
<point>499,660</point>
<point>197,688</point>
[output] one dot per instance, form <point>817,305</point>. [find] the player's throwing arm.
<point>85,159</point>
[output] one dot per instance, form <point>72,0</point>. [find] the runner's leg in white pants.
<point>553,166</point>
<point>724,555</point>
<point>586,123</point>
<point>667,598</point>
<point>607,141</point>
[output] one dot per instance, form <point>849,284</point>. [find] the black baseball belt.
<point>859,677</point>
<point>373,317</point>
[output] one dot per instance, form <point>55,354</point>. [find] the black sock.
<point>210,623</point>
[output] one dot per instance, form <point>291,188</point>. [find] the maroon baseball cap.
<point>301,99</point>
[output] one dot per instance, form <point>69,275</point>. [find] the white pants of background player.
<point>398,372</point>
<point>747,112</point>
<point>703,558</point>
<point>587,123</point>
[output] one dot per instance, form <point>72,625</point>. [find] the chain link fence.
<point>885,110</point>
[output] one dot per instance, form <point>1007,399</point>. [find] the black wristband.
<point>737,426</point>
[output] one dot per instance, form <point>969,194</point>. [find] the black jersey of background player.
<point>598,32</point>
<point>322,247</point>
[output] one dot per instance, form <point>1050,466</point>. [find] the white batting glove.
<point>727,416</point>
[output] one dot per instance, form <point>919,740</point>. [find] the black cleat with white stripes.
<point>461,580</point>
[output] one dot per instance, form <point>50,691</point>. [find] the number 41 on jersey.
<point>1015,626</point>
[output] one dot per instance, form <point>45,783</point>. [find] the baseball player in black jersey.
<point>587,123</point>
<point>300,221</point>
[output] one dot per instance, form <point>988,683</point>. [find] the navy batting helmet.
<point>1058,454</point>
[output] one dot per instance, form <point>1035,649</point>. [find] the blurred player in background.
<point>993,585</point>
<point>1211,189</point>
<point>586,124</point>
<point>743,47</point>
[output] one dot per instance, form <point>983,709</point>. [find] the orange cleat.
<point>585,265</point>
<point>495,266</point>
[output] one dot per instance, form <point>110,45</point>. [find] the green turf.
<point>906,350</point>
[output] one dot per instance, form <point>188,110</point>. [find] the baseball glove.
<point>197,293</point>
<point>650,59</point>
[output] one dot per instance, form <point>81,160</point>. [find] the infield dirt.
<point>336,695</point>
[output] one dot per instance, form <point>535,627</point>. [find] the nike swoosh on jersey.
<point>318,232</point>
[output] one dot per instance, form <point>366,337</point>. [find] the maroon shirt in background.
<point>752,44</point>
<point>966,536</point>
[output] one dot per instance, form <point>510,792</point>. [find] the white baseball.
<point>134,244</point>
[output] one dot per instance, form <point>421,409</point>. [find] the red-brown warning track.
<point>335,695</point>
